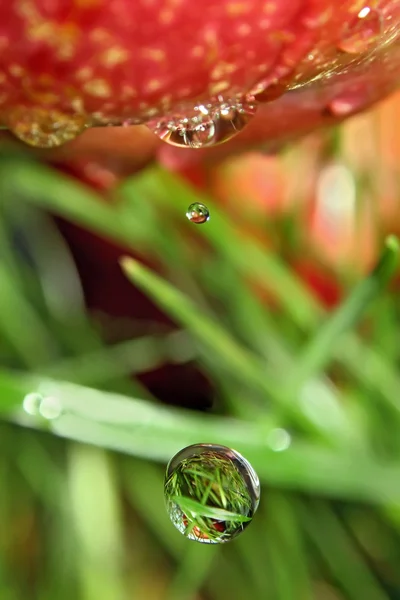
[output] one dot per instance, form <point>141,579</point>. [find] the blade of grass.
<point>97,523</point>
<point>22,326</point>
<point>227,580</point>
<point>238,361</point>
<point>321,347</point>
<point>126,358</point>
<point>340,555</point>
<point>247,256</point>
<point>75,202</point>
<point>155,432</point>
<point>222,235</point>
<point>192,572</point>
<point>285,539</point>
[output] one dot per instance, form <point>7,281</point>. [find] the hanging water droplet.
<point>43,128</point>
<point>198,213</point>
<point>207,125</point>
<point>50,408</point>
<point>362,32</point>
<point>211,493</point>
<point>269,91</point>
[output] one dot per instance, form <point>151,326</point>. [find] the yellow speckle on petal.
<point>244,29</point>
<point>114,56</point>
<point>269,8</point>
<point>166,16</point>
<point>16,70</point>
<point>238,8</point>
<point>221,69</point>
<point>60,36</point>
<point>217,88</point>
<point>84,73</point>
<point>97,88</point>
<point>153,85</point>
<point>87,3</point>
<point>77,105</point>
<point>166,101</point>
<point>154,54</point>
<point>128,91</point>
<point>198,51</point>
<point>211,39</point>
<point>99,35</point>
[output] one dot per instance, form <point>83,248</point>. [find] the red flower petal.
<point>67,63</point>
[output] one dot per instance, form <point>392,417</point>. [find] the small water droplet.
<point>362,32</point>
<point>211,493</point>
<point>206,125</point>
<point>279,440</point>
<point>268,93</point>
<point>43,128</point>
<point>198,213</point>
<point>31,403</point>
<point>50,408</point>
<point>37,405</point>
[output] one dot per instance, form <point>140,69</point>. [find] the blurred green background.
<point>272,329</point>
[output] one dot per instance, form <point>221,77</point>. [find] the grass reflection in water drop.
<point>211,493</point>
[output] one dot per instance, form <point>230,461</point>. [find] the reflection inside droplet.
<point>211,493</point>
<point>198,213</point>
<point>206,125</point>
<point>362,32</point>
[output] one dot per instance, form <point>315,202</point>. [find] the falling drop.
<point>207,125</point>
<point>44,128</point>
<point>211,493</point>
<point>198,213</point>
<point>362,32</point>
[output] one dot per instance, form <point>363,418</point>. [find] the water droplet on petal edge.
<point>211,493</point>
<point>206,125</point>
<point>198,213</point>
<point>44,128</point>
<point>362,32</point>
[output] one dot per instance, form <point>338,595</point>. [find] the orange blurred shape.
<point>252,181</point>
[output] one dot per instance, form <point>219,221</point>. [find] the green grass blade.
<point>196,508</point>
<point>319,351</point>
<point>20,323</point>
<point>150,431</point>
<point>238,361</point>
<point>246,255</point>
<point>340,555</point>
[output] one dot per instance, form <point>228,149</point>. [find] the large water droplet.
<point>362,32</point>
<point>211,493</point>
<point>44,128</point>
<point>207,125</point>
<point>198,213</point>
